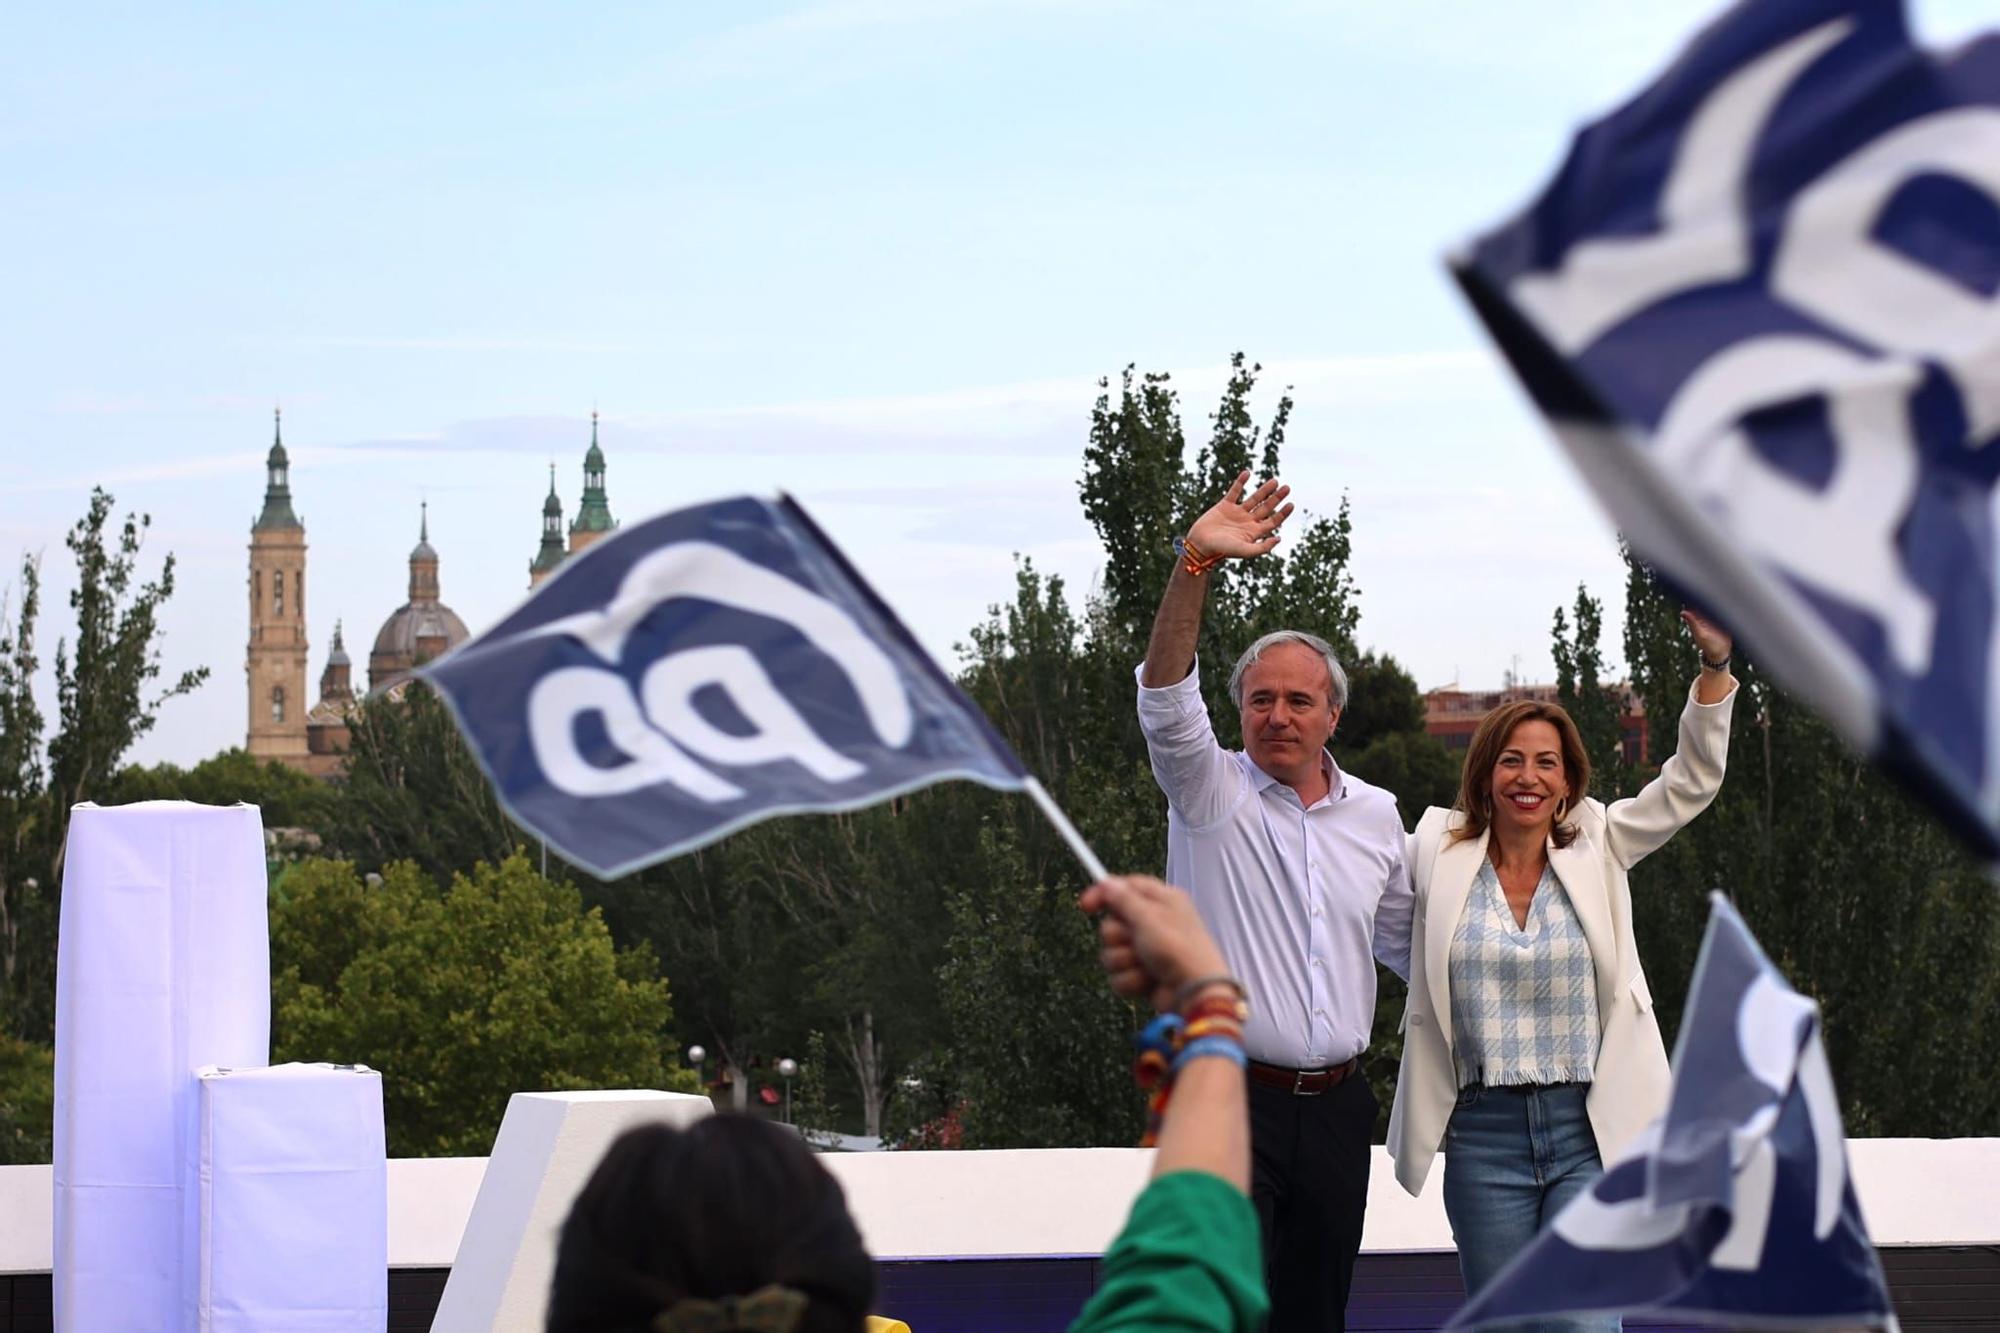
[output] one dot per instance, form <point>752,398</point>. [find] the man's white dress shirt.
<point>1300,899</point>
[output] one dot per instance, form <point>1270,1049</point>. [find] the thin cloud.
<point>93,405</point>
<point>1032,417</point>
<point>234,464</point>
<point>457,344</point>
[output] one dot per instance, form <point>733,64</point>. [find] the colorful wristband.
<point>1222,1047</point>
<point>1193,559</point>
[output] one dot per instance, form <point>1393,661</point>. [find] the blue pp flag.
<point>1736,1209</point>
<point>699,672</point>
<point>1758,303</point>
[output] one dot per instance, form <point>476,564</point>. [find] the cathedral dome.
<point>412,629</point>
<point>419,630</point>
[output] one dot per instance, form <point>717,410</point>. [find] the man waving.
<point>1297,869</point>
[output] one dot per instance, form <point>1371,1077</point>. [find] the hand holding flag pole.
<point>704,670</point>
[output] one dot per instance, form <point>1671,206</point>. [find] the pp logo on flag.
<point>1879,313</point>
<point>1737,1208</point>
<point>662,734</point>
<point>1760,302</point>
<point>698,672</point>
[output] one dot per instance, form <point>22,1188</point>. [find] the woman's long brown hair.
<point>1475,783</point>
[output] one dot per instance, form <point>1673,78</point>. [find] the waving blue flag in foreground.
<point>1757,302</point>
<point>1736,1209</point>
<point>704,670</point>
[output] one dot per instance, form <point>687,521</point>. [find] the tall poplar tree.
<point>106,667</point>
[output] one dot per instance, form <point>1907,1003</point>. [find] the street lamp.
<point>788,1069</point>
<point>696,1054</point>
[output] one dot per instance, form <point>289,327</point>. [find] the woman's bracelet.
<point>1213,1028</point>
<point>1707,665</point>
<point>1227,1048</point>
<point>1205,1024</point>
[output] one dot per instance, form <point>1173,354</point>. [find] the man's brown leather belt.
<point>1300,1082</point>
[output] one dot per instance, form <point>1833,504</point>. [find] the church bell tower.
<point>276,666</point>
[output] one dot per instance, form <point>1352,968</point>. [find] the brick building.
<point>1452,714</point>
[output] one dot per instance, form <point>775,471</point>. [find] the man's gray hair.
<point>1336,677</point>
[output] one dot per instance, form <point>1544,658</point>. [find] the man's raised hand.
<point>1242,527</point>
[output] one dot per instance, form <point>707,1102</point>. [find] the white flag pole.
<point>1056,817</point>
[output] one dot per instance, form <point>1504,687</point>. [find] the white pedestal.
<point>163,966</point>
<point>293,1202</point>
<point>549,1143</point>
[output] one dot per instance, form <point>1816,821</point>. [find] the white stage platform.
<point>1071,1202</point>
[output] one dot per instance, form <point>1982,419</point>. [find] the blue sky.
<point>876,252</point>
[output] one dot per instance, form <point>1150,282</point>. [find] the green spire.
<point>551,552</point>
<point>594,514</point>
<point>277,486</point>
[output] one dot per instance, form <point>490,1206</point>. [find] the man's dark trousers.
<point>1309,1181</point>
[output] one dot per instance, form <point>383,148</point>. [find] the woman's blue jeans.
<point>1513,1157</point>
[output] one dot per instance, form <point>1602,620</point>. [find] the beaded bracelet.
<point>1228,1048</point>
<point>1213,1027</point>
<point>1153,1070</point>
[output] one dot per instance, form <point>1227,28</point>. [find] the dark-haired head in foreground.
<point>676,1222</point>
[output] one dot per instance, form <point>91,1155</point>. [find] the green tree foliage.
<point>812,1111</point>
<point>1381,736</point>
<point>27,1101</point>
<point>1040,1045</point>
<point>935,943</point>
<point>23,804</point>
<point>1584,688</point>
<point>1138,491</point>
<point>834,924</point>
<point>105,668</point>
<point>1411,764</point>
<point>1859,895</point>
<point>286,797</point>
<point>103,673</point>
<point>1020,963</point>
<point>414,792</point>
<point>499,983</point>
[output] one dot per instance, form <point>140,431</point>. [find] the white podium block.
<point>548,1145</point>
<point>292,1203</point>
<point>163,965</point>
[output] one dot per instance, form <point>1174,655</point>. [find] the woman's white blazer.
<point>1629,1087</point>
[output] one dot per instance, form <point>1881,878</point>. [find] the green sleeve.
<point>1189,1258</point>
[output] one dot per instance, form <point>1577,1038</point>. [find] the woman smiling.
<point>1530,1050</point>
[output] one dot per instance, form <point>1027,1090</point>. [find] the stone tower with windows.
<point>327,732</point>
<point>276,666</point>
